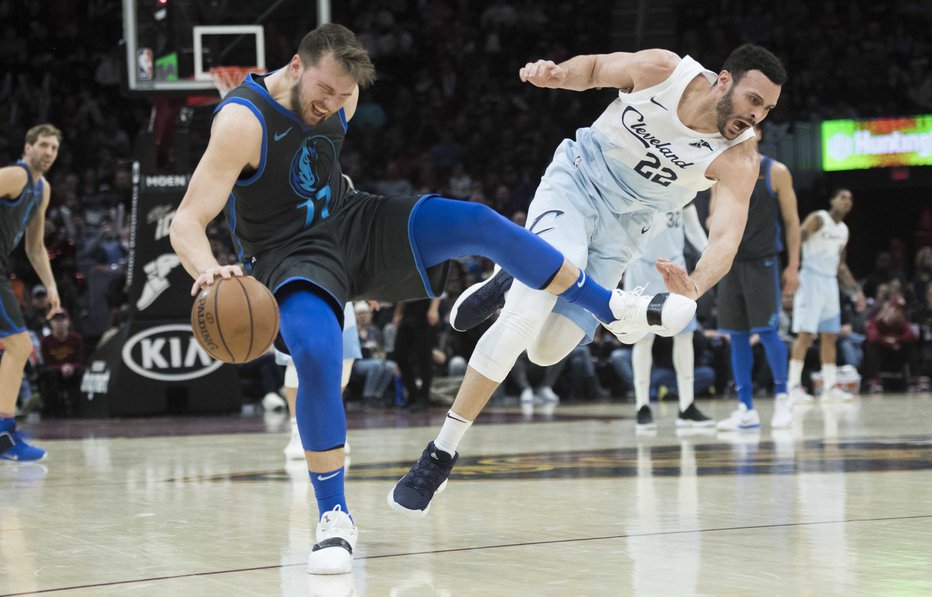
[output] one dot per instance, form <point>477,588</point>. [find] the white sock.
<point>796,374</point>
<point>452,432</point>
<point>684,361</point>
<point>294,425</point>
<point>828,376</point>
<point>641,361</point>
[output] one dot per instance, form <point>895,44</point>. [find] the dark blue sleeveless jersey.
<point>298,184</point>
<point>17,211</point>
<point>762,234</point>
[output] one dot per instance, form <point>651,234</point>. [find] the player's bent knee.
<point>558,337</point>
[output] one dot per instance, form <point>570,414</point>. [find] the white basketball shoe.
<point>636,315</point>
<point>336,540</point>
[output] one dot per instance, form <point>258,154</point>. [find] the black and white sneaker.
<point>693,417</point>
<point>645,419</point>
<point>480,301</point>
<point>336,540</point>
<point>413,493</point>
<point>637,314</point>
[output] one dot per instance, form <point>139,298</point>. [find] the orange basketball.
<point>235,319</point>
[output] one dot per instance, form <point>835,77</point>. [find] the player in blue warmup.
<point>273,163</point>
<point>24,197</point>
<point>749,296</point>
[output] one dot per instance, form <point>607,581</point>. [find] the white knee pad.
<point>291,375</point>
<point>557,338</point>
<point>520,321</point>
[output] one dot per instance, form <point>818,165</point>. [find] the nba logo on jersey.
<point>144,64</point>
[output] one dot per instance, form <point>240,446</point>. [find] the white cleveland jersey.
<point>638,154</point>
<point>822,250</point>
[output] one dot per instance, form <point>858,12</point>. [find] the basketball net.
<point>227,78</point>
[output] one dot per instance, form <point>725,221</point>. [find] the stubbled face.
<point>41,155</point>
<point>842,202</point>
<point>320,90</point>
<point>746,102</point>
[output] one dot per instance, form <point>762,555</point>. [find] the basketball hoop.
<point>226,78</point>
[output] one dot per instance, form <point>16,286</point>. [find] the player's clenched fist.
<point>543,73</point>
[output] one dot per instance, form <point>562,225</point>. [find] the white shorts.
<point>643,273</point>
<point>817,304</point>
<point>591,236</point>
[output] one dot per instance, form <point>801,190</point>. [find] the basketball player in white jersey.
<point>674,129</point>
<point>817,305</point>
<point>668,240</point>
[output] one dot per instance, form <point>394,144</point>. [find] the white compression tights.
<point>683,363</point>
<point>526,323</point>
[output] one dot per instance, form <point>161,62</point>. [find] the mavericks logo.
<point>168,353</point>
<point>310,175</point>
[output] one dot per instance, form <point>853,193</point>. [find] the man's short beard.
<point>723,111</point>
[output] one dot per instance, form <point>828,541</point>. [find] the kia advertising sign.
<point>168,353</point>
<point>153,365</point>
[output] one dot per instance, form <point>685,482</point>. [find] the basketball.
<point>235,319</point>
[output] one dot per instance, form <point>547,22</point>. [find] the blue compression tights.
<point>443,229</point>
<point>312,332</point>
<point>742,362</point>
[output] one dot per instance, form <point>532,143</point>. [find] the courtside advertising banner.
<point>877,143</point>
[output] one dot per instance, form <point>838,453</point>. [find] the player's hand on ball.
<point>208,276</point>
<point>543,73</point>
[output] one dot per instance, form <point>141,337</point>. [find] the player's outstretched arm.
<point>235,143</point>
<point>789,211</point>
<point>619,70</point>
<point>736,171</point>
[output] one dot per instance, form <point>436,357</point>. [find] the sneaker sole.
<point>689,423</point>
<point>336,561</point>
<point>454,311</point>
<point>738,428</point>
<point>413,513</point>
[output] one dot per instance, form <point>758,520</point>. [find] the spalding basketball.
<point>235,319</point>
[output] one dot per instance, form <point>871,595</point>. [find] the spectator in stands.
<point>34,314</point>
<point>891,345</point>
<point>62,367</point>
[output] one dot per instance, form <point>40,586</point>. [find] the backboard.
<point>171,45</point>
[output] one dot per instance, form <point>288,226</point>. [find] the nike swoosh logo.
<point>330,476</point>
<point>582,281</point>
<point>655,102</point>
<point>645,229</point>
<point>280,136</point>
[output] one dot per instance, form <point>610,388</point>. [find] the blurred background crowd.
<point>449,115</point>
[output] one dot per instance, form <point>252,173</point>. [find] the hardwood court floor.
<point>567,503</point>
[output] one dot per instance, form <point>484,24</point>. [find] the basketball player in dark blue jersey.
<point>273,162</point>
<point>24,197</point>
<point>749,296</point>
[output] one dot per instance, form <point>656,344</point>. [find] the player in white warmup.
<point>671,230</point>
<point>817,304</point>
<point>675,129</point>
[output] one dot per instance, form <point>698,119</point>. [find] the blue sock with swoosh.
<point>592,297</point>
<point>328,489</point>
